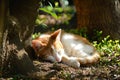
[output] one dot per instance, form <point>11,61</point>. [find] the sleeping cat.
<point>70,49</point>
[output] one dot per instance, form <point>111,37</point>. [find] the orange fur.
<point>68,48</point>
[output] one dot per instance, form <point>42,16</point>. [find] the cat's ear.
<point>56,34</point>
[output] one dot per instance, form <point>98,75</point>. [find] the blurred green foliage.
<point>81,32</point>
<point>59,14</point>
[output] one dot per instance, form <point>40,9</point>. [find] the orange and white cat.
<point>70,49</point>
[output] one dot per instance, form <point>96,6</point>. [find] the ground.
<point>59,71</point>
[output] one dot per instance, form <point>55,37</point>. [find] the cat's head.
<point>49,46</point>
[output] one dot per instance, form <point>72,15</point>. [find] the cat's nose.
<point>58,59</point>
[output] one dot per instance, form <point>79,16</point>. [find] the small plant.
<point>97,35</point>
<point>110,49</point>
<point>36,35</point>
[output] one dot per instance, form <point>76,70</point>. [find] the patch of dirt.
<point>59,71</point>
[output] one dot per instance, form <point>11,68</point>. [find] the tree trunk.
<point>2,18</point>
<point>3,9</point>
<point>19,26</point>
<point>99,14</point>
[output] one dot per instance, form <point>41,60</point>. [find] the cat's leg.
<point>89,59</point>
<point>71,61</point>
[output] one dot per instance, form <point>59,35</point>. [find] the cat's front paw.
<point>74,63</point>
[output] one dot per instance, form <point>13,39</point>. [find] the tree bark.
<point>19,26</point>
<point>3,13</point>
<point>2,18</point>
<point>100,15</point>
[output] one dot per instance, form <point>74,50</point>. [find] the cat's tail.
<point>90,59</point>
